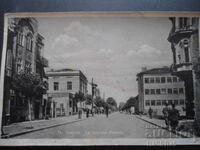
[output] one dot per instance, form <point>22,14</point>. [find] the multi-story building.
<point>156,87</point>
<point>24,53</point>
<point>184,39</point>
<point>63,85</point>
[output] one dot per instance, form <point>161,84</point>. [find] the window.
<point>179,80</point>
<point>176,102</point>
<point>56,86</point>
<point>152,91</point>
<point>182,22</point>
<point>169,79</point>
<point>170,102</point>
<point>174,79</point>
<point>157,80</point>
<point>146,91</point>
<point>146,80</point>
<point>175,91</point>
<point>9,63</point>
<point>164,102</point>
<point>186,54</point>
<point>69,85</point>
<point>152,80</point>
<point>162,79</point>
<point>181,102</point>
<point>163,91</point>
<point>169,91</point>
<point>157,91</point>
<point>181,91</point>
<point>20,38</point>
<point>147,102</point>
<point>29,43</point>
<point>28,67</point>
<point>158,102</point>
<point>153,102</point>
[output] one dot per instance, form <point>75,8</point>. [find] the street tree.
<point>79,98</point>
<point>99,102</point>
<point>88,99</point>
<point>30,85</point>
<point>111,103</point>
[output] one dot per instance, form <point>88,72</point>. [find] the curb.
<point>38,129</point>
<point>179,134</point>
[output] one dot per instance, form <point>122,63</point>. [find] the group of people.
<point>171,116</point>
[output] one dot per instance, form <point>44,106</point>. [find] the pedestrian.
<point>174,117</point>
<point>165,112</point>
<point>79,114</point>
<point>150,111</point>
<point>107,112</point>
<point>87,113</point>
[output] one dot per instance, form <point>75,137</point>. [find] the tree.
<point>29,85</point>
<point>112,104</point>
<point>88,99</point>
<point>99,102</point>
<point>79,98</point>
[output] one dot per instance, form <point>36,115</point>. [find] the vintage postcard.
<point>98,78</point>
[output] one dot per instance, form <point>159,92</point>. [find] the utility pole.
<point>93,93</point>
<point>92,97</point>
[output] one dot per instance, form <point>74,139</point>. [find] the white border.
<point>106,141</point>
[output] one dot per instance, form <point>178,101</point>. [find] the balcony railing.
<point>179,33</point>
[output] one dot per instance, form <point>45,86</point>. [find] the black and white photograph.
<point>100,78</point>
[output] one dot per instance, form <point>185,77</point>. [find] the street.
<point>117,125</point>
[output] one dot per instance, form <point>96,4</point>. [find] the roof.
<point>161,70</point>
<point>62,70</point>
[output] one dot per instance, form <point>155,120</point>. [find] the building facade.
<point>24,53</point>
<point>156,87</point>
<point>184,39</point>
<point>63,85</point>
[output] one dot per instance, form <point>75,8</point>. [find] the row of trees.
<point>131,102</point>
<point>98,101</point>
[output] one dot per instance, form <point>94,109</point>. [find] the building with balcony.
<point>184,39</point>
<point>24,52</point>
<point>156,87</point>
<point>63,85</point>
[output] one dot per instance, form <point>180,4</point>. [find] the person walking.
<point>79,114</point>
<point>165,112</point>
<point>150,111</point>
<point>107,112</point>
<point>174,118</point>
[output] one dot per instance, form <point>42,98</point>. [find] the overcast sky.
<point>110,48</point>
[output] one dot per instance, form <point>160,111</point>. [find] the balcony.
<point>43,61</point>
<point>179,33</point>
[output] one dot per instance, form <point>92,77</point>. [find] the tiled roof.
<point>161,70</point>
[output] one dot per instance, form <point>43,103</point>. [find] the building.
<point>64,84</point>
<point>184,39</point>
<point>24,53</point>
<point>156,87</point>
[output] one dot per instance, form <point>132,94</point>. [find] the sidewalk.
<point>16,129</point>
<point>161,123</point>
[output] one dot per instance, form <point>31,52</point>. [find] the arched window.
<point>29,42</point>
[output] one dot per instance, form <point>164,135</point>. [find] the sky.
<point>111,49</point>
